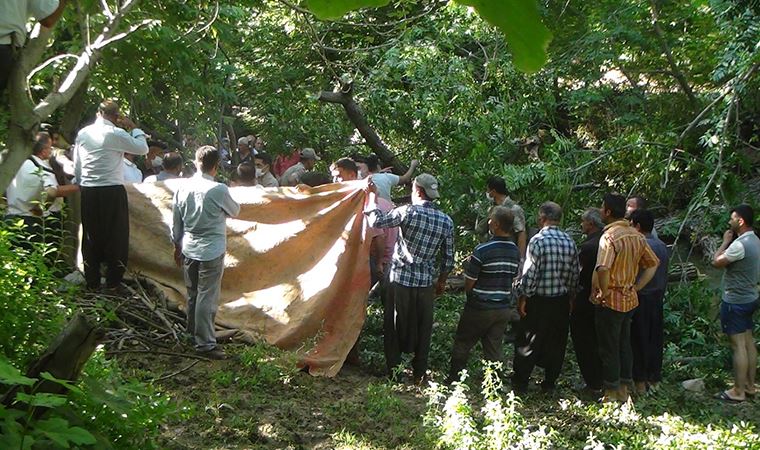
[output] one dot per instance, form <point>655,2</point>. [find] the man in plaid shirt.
<point>424,231</point>
<point>545,295</point>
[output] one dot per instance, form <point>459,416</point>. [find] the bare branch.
<point>122,35</point>
<point>47,63</point>
<point>106,9</point>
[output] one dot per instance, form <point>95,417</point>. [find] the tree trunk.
<point>72,115</point>
<point>345,98</point>
<point>63,359</point>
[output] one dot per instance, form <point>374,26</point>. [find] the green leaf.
<point>520,22</point>
<point>42,399</point>
<point>11,375</point>
<point>64,383</point>
<point>58,431</point>
<point>335,9</point>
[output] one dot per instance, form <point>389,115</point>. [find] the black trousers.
<point>484,325</point>
<point>105,233</point>
<point>647,338</point>
<point>583,333</point>
<point>408,325</point>
<point>7,61</point>
<point>541,337</point>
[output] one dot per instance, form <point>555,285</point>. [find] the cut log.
<point>683,271</point>
<point>63,359</point>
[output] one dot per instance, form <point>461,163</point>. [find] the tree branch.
<point>677,73</point>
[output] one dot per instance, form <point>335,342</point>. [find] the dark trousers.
<point>408,325</point>
<point>583,333</point>
<point>541,338</point>
<point>613,331</point>
<point>7,61</point>
<point>105,233</point>
<point>484,325</point>
<point>647,338</point>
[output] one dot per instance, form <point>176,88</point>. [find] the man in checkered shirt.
<point>424,231</point>
<point>545,295</point>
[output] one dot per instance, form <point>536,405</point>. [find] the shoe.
<point>724,397</point>
<point>215,354</point>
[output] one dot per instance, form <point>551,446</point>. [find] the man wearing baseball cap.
<point>424,231</point>
<point>292,176</point>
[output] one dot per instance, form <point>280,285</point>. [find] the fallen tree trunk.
<point>343,96</point>
<point>63,359</point>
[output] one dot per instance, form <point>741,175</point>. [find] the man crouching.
<point>201,207</point>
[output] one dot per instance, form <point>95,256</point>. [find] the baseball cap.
<point>428,183</point>
<point>309,153</point>
<point>243,140</point>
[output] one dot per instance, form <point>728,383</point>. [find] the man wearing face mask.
<point>264,176</point>
<point>496,193</point>
<point>154,160</point>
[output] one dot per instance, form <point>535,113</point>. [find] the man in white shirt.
<point>35,197</point>
<point>13,17</point>
<point>199,232</point>
<point>132,173</point>
<point>99,170</point>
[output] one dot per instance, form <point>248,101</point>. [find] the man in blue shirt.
<point>647,328</point>
<point>424,231</point>
<point>199,232</point>
<point>489,272</point>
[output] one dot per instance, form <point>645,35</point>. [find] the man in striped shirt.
<point>622,252</point>
<point>488,283</point>
<point>546,292</point>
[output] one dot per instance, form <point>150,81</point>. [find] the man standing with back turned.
<point>99,171</point>
<point>199,232</point>
<point>408,308</point>
<point>740,255</point>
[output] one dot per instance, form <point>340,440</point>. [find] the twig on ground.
<point>184,369</point>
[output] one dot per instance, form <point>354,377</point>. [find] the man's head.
<point>742,219</point>
<point>424,188</point>
<point>495,187</point>
<point>109,110</point>
<point>314,179</point>
<point>642,220</point>
<point>309,158</point>
<point>613,207</point>
<point>633,204</point>
<point>245,174</point>
<point>43,146</point>
<point>501,220</point>
<point>263,163</point>
<point>243,147</point>
<point>549,213</point>
<point>373,163</point>
<point>591,220</point>
<point>361,165</point>
<point>344,169</point>
<point>207,160</point>
<point>155,154</point>
<point>172,163</point>
<point>260,144</point>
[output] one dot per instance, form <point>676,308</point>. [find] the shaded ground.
<point>261,401</point>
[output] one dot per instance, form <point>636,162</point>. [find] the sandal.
<point>724,397</point>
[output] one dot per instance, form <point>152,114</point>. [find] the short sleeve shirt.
<point>494,265</point>
<point>385,182</point>
<point>735,251</point>
<point>14,15</point>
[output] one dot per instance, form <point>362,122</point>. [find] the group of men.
<point>607,293</point>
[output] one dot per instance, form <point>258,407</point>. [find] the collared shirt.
<point>98,153</point>
<point>551,265</point>
<point>26,192</point>
<point>659,281</point>
<point>293,175</point>
<point>14,15</point>
<point>132,173</point>
<point>201,207</point>
<point>518,226</point>
<point>623,251</point>
<point>494,265</point>
<point>267,180</point>
<point>162,176</point>
<point>423,231</point>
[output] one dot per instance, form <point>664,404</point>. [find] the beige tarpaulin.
<point>296,268</point>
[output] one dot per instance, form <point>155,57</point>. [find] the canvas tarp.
<point>296,269</point>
